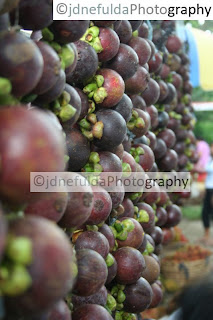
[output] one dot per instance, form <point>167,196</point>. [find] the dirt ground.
<point>193,230</point>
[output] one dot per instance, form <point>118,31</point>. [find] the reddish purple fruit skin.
<point>110,44</point>
<point>93,240</point>
<point>153,195</point>
<point>173,44</point>
<point>174,215</point>
<point>128,208</point>
<point>142,48</point>
<point>152,140</point>
<point>169,161</point>
<point>147,159</point>
<point>111,119</point>
<point>142,248</point>
<point>26,69</point>
<point>78,209</point>
<point>107,232</point>
<point>138,82</point>
<point>129,272</point>
<point>102,206</point>
<point>114,85</point>
<point>138,296</point>
<point>75,102</point>
<point>60,311</point>
<point>161,214</point>
<point>51,279</point>
<point>104,23</point>
<point>155,63</point>
<point>3,232</point>
<point>138,102</point>
<point>150,224</point>
<point>152,93</point>
<point>51,207</point>
<point>164,91</point>
<point>92,272</point>
<point>112,271</point>
<point>124,107</point>
<point>71,67</point>
<point>110,162</point>
<point>91,312</point>
<point>99,298</point>
<point>52,66</point>
<point>117,196</point>
<point>68,31</point>
<point>87,63</point>
<point>160,149</point>
<point>35,15</point>
<point>157,235</point>
<point>138,132</point>
<point>84,103</point>
<point>152,271</point>
<point>143,30</point>
<point>153,113</point>
<point>157,295</point>
<point>55,91</point>
<point>124,30</point>
<point>168,136</point>
<point>78,149</point>
<point>40,147</point>
<point>134,238</point>
<point>164,198</point>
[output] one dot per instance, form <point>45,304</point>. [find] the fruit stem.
<point>122,235</point>
<point>91,87</point>
<point>47,35</point>
<point>5,86</point>
<point>121,296</point>
<point>97,130</point>
<point>18,282</point>
<point>94,157</point>
<point>128,225</point>
<point>67,112</point>
<point>67,56</point>
<point>85,124</point>
<point>149,247</point>
<point>126,169</point>
<point>99,80</point>
<point>19,250</point>
<point>64,98</point>
<point>29,98</point>
<point>142,216</point>
<point>109,260</point>
<point>99,95</point>
<point>87,134</point>
<point>92,118</point>
<point>111,302</point>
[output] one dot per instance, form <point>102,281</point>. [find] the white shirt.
<point>209,177</point>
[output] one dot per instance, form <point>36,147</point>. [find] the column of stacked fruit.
<point>79,96</point>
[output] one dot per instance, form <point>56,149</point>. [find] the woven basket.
<point>176,275</point>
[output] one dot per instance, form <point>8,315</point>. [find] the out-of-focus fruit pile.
<point>87,96</point>
<point>189,253</point>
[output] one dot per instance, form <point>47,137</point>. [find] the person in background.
<point>207,210</point>
<point>195,301</point>
<point>203,151</point>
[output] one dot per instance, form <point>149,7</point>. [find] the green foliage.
<point>204,125</point>
<point>200,95</point>
<point>192,212</point>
